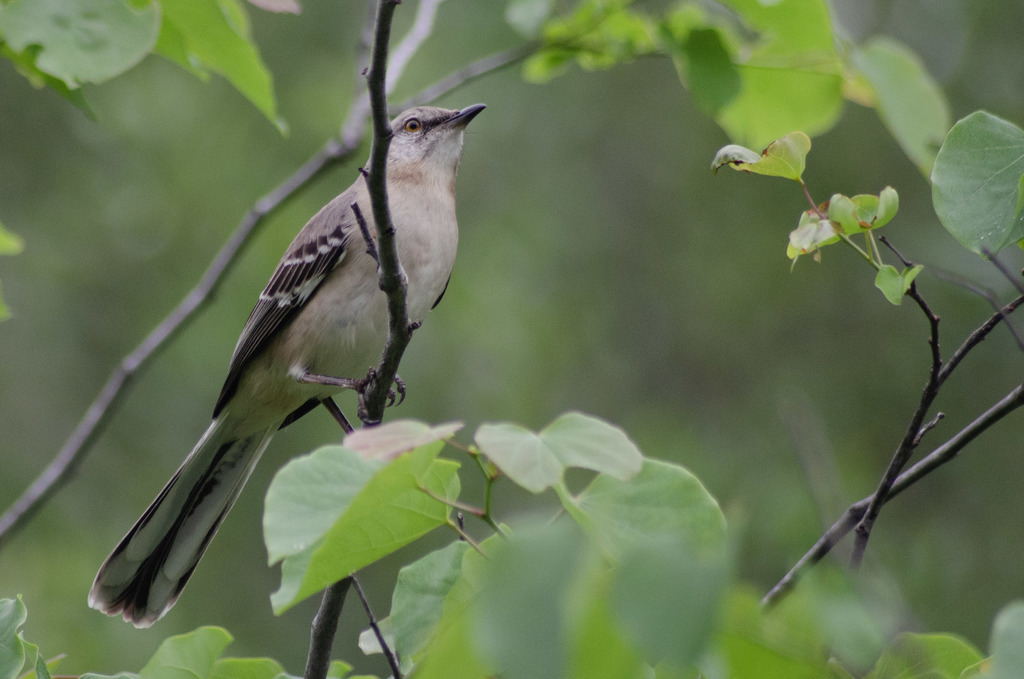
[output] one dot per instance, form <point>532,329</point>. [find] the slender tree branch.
<point>422,27</point>
<point>853,515</point>
<point>62,467</point>
<point>396,670</point>
<point>325,626</point>
<point>478,68</point>
<point>391,277</point>
<point>911,437</point>
<point>978,336</point>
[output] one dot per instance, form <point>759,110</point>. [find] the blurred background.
<point>602,268</point>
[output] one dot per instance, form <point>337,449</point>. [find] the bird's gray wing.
<point>297,277</point>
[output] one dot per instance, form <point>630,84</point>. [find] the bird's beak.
<point>462,118</point>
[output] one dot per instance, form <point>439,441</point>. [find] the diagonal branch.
<point>853,515</point>
<point>915,429</point>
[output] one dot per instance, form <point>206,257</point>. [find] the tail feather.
<point>146,572</point>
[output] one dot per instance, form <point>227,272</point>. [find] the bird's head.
<point>428,139</point>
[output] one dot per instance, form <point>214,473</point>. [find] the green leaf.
<point>537,461</point>
<point>12,647</point>
<point>663,498</point>
<point>908,100</point>
<point>1007,643</point>
<point>894,284</point>
<point>214,36</point>
<point>381,509</point>
<point>710,74</point>
<point>518,616</point>
<point>307,496</point>
<point>754,642</point>
<point>926,656</point>
<point>785,157</point>
<point>811,233</point>
<point>420,592</point>
<point>666,595</point>
<point>246,668</point>
<point>863,212</point>
<point>86,41</point>
<point>598,35</point>
<point>976,183</point>
<point>790,74</point>
<point>25,63</point>
<point>338,669</point>
<point>187,656</point>
<point>598,647</point>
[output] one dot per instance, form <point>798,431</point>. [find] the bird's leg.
<point>336,413</point>
<point>357,385</point>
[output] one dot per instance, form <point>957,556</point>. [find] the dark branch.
<point>396,670</point>
<point>853,515</point>
<point>390,277</point>
<point>915,429</point>
<point>364,228</point>
<point>325,626</point>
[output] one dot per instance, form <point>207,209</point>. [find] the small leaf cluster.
<point>759,69</point>
<point>977,193</point>
<point>837,219</point>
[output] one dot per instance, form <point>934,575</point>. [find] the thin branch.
<point>478,68</point>
<point>979,334</point>
<point>396,670</point>
<point>391,279</point>
<point>422,27</point>
<point>1003,270</point>
<point>324,628</point>
<point>364,228</point>
<point>853,515</point>
<point>912,435</point>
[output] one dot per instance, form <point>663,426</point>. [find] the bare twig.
<point>480,67</point>
<point>61,469</point>
<point>422,27</point>
<point>396,670</point>
<point>325,626</point>
<point>979,334</point>
<point>364,228</point>
<point>913,433</point>
<point>938,457</point>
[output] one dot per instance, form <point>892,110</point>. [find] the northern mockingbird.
<point>321,314</point>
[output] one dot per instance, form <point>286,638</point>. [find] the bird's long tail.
<point>144,575</point>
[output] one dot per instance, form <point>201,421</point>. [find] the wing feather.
<point>297,277</point>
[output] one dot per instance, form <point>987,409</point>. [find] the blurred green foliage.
<point>602,268</point>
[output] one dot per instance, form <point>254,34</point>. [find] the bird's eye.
<point>413,125</point>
